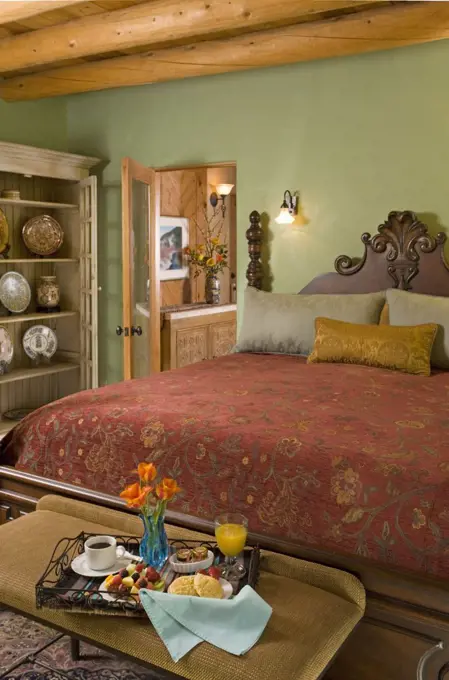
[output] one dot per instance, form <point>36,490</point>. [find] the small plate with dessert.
<point>191,560</point>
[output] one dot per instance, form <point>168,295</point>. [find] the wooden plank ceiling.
<point>57,47</point>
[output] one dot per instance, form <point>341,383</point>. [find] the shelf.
<point>34,316</point>
<point>28,373</point>
<point>39,260</point>
<point>7,425</point>
<point>37,204</point>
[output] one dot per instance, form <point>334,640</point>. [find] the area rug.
<point>20,637</point>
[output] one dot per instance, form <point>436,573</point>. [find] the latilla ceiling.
<point>57,47</point>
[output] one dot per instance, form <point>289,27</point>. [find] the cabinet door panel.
<point>89,283</point>
<point>191,346</point>
<point>222,338</point>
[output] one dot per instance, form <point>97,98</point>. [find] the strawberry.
<point>214,572</point>
<point>117,580</point>
<point>152,575</point>
<point>140,567</point>
<point>142,583</point>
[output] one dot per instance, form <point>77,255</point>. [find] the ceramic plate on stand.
<point>6,346</point>
<point>4,232</point>
<point>43,235</point>
<point>40,341</point>
<point>15,292</point>
<point>17,413</point>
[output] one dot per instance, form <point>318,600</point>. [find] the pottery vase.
<point>212,289</point>
<point>48,292</point>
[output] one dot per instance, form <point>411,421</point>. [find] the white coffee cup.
<point>102,552</point>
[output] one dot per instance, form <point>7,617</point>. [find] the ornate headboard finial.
<point>254,235</point>
<point>402,237</point>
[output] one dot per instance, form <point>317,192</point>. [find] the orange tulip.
<point>147,472</point>
<point>167,489</point>
<point>134,495</point>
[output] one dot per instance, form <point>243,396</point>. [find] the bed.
<point>347,465</point>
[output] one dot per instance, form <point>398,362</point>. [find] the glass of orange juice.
<point>231,531</point>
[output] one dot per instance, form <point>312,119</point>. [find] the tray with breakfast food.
<point>104,574</point>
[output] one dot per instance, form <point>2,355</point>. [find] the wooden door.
<point>141,301</point>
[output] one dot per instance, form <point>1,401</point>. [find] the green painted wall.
<point>357,137</point>
<point>40,123</point>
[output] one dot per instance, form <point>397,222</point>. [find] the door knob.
<point>122,331</point>
<point>136,330</point>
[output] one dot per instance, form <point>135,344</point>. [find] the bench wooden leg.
<point>75,649</point>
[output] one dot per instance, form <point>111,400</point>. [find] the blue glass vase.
<point>154,548</point>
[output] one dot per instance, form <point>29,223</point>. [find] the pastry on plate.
<point>183,586</point>
<point>206,586</point>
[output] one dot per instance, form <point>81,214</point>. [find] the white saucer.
<point>79,566</point>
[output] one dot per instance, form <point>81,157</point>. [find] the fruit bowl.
<point>191,567</point>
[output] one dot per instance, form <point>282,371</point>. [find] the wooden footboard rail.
<point>404,635</point>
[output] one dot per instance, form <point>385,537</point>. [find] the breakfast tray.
<point>61,588</point>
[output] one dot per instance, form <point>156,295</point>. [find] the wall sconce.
<point>223,190</point>
<point>289,208</point>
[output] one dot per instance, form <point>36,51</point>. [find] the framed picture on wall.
<point>173,238</point>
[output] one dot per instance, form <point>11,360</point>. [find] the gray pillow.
<point>412,309</point>
<point>279,323</point>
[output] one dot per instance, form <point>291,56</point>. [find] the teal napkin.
<point>183,622</point>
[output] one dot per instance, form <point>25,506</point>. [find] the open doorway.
<point>188,219</point>
<point>172,318</point>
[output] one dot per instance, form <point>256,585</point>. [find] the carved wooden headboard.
<point>401,255</point>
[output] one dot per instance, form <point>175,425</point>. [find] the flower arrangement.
<point>212,255</point>
<point>150,496</point>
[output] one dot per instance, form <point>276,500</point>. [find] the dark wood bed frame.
<point>405,633</point>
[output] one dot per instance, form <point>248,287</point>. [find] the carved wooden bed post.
<point>254,235</point>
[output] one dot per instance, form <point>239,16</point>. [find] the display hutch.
<point>59,185</point>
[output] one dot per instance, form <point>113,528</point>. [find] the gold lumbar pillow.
<point>401,348</point>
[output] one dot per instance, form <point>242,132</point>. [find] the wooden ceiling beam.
<point>373,30</point>
<point>16,10</point>
<point>155,23</point>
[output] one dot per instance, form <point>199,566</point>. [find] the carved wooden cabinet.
<point>193,333</point>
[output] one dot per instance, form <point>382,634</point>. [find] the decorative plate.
<point>4,232</point>
<point>15,292</point>
<point>6,346</point>
<point>40,341</point>
<point>17,413</point>
<point>42,235</point>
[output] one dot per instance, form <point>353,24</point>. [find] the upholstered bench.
<point>315,608</point>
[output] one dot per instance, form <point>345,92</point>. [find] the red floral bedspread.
<point>349,458</point>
